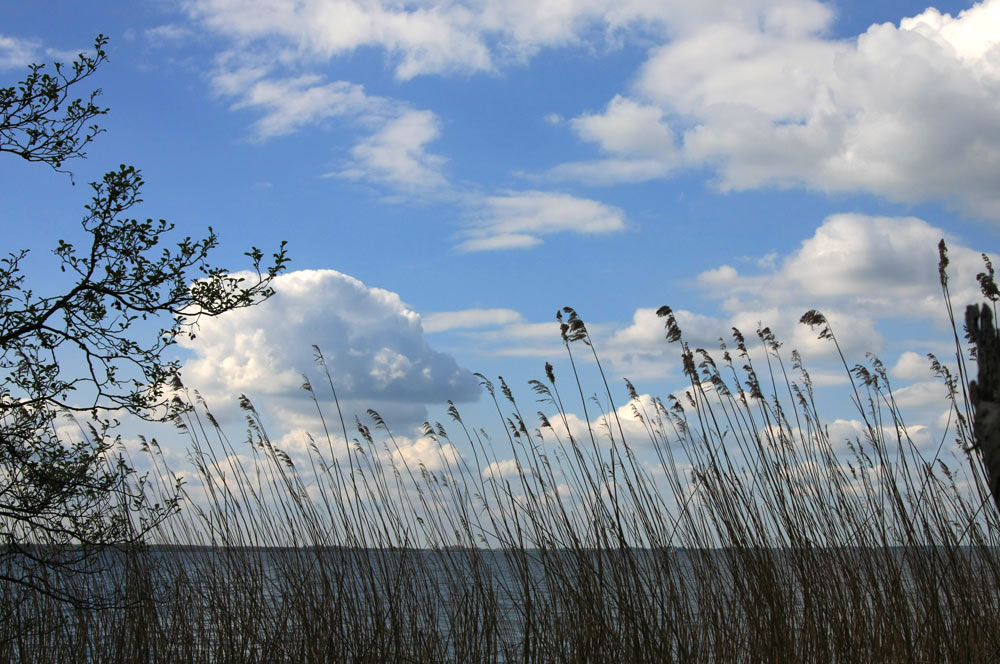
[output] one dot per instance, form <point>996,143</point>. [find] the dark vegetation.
<point>756,536</point>
<point>86,352</point>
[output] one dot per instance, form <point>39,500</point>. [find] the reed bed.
<point>753,537</point>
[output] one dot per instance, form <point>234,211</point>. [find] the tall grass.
<point>755,536</point>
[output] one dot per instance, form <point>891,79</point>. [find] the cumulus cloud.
<point>372,343</point>
<point>518,219</point>
<point>424,452</point>
<point>907,111</point>
<point>507,468</point>
<point>911,366</point>
<point>921,395</point>
<point>641,146</point>
<point>871,266</point>
<point>844,434</point>
<point>862,272</point>
<point>758,90</point>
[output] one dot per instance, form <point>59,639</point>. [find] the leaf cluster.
<point>31,125</point>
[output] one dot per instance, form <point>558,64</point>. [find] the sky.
<point>449,174</point>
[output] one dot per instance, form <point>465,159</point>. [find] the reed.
<point>755,536</point>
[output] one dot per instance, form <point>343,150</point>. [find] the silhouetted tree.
<point>94,351</point>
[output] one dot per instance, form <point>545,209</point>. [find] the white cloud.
<point>755,90</point>
<point>293,103</point>
<point>507,468</point>
<point>844,434</point>
<point>426,452</point>
<point>16,52</point>
<point>395,154</point>
<point>500,242</point>
<point>859,271</point>
<point>469,318</point>
<point>908,112</point>
<point>168,32</point>
<point>627,127</point>
<point>911,366</point>
<point>517,219</point>
<point>421,40</point>
<point>609,171</point>
<point>373,346</point>
<point>870,266</point>
<point>641,144</point>
<point>922,394</point>
<point>462,36</point>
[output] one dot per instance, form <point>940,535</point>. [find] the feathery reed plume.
<point>728,523</point>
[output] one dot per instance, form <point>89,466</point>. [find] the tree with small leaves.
<point>30,124</point>
<point>94,352</point>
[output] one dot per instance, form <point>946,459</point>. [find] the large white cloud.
<point>447,36</point>
<point>871,266</point>
<point>373,345</point>
<point>758,90</point>
<point>862,272</point>
<point>907,111</point>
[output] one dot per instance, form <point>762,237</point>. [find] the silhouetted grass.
<point>755,537</point>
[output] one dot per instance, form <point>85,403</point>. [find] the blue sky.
<point>449,174</point>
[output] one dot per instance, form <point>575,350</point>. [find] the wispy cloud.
<point>290,104</point>
<point>396,154</point>
<point>393,153</point>
<point>469,319</point>
<point>16,52</point>
<point>168,33</point>
<point>519,219</point>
